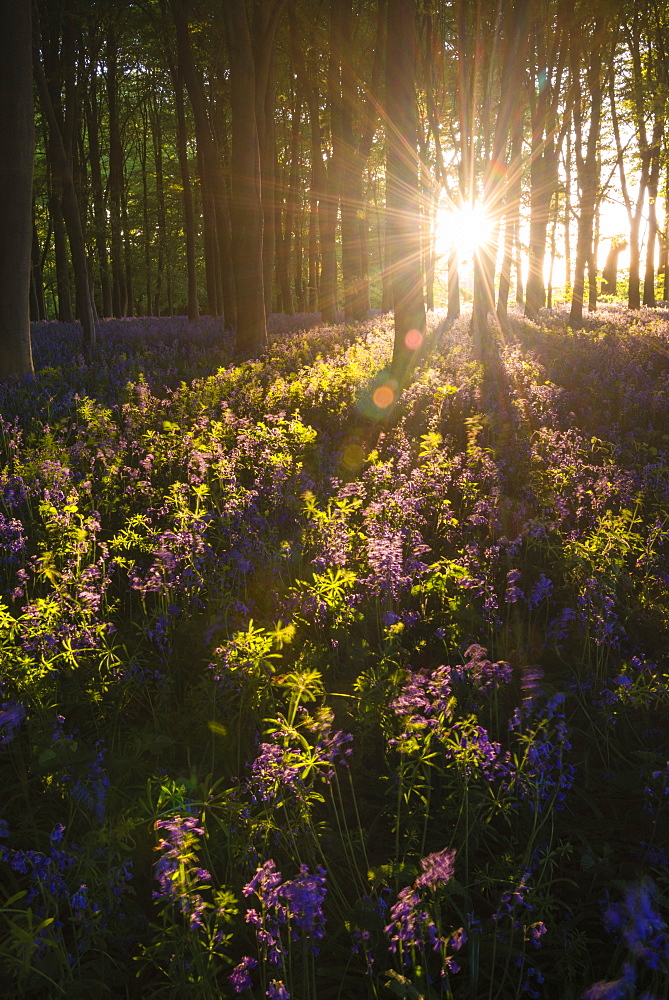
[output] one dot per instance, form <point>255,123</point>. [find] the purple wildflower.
<point>274,770</point>
<point>471,747</point>
<point>410,922</point>
<point>425,700</point>
<point>437,869</point>
<point>91,789</point>
<point>277,991</point>
<point>12,714</point>
<point>176,871</point>
<point>79,899</point>
<point>57,833</point>
<point>297,902</point>
<point>541,591</point>
<point>641,927</point>
<point>304,897</point>
<point>535,932</point>
<point>265,883</point>
<point>240,976</point>
<point>513,593</point>
<point>480,672</point>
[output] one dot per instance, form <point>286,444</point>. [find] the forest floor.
<point>311,691</point>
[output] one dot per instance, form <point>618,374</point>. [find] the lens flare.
<point>383,397</point>
<point>413,340</point>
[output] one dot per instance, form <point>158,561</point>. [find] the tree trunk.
<point>127,254</point>
<point>16,186</point>
<point>351,179</point>
<point>665,248</point>
<point>328,205</point>
<point>97,188</point>
<point>156,133</point>
<point>535,292</point>
<point>247,209</point>
<point>65,313</point>
<point>62,168</point>
<point>402,197</point>
<point>594,247</point>
<point>453,284</point>
<point>299,263</point>
<point>316,200</point>
<point>649,274</point>
<point>209,167</point>
<point>512,212</point>
<point>610,272</point>
<point>386,269</point>
<point>556,216</point>
<point>119,290</point>
<point>189,214</point>
<point>146,229</point>
<point>265,81</point>
<point>292,195</point>
<point>37,276</point>
<point>588,178</point>
<point>430,250</point>
<point>633,292</point>
<point>653,185</point>
<point>567,215</point>
<point>358,123</point>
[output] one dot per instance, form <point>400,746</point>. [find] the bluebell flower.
<point>437,869</point>
<point>540,592</point>
<point>513,593</point>
<point>277,991</point>
<point>639,924</point>
<point>12,714</point>
<point>57,833</point>
<point>410,921</point>
<point>240,977</point>
<point>79,899</point>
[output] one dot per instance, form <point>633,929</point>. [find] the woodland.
<point>334,499</point>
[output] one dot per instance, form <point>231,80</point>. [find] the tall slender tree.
<point>62,167</point>
<point>587,97</point>
<point>402,191</point>
<point>16,180</point>
<point>250,50</point>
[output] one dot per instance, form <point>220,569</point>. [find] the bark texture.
<point>16,177</point>
<point>402,197</point>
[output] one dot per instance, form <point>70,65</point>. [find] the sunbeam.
<point>463,228</point>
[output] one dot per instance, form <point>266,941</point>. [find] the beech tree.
<point>588,103</point>
<point>250,50</point>
<point>402,193</point>
<point>550,48</point>
<point>512,47</point>
<point>60,153</point>
<point>16,178</point>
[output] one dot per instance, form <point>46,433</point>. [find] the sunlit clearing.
<point>464,229</point>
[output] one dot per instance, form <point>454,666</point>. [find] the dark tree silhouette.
<point>16,178</point>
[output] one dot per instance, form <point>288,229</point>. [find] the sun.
<point>464,228</point>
